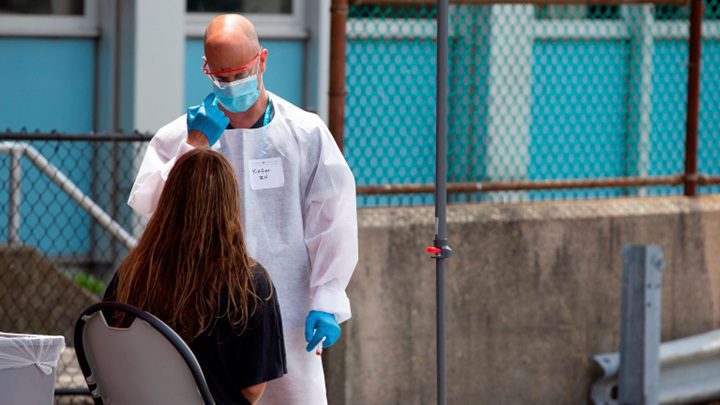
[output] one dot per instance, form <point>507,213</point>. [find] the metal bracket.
<point>440,250</point>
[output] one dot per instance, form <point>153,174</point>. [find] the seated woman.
<point>191,270</point>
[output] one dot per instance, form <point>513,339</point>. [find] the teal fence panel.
<point>669,111</point>
<point>709,142</point>
<point>578,115</point>
<point>536,93</point>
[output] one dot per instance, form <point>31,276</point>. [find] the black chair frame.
<point>153,321</point>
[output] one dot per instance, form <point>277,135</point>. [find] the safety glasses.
<point>231,75</point>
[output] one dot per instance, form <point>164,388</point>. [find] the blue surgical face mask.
<point>237,96</point>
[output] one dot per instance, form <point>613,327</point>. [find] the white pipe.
<point>70,188</point>
<point>14,197</point>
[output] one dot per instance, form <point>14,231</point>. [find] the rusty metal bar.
<point>675,180</point>
<point>707,181</point>
<point>693,97</point>
<point>540,2</point>
<point>337,91</point>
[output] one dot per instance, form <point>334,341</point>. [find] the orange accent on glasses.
<point>240,69</point>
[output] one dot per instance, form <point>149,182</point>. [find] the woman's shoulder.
<point>262,283</point>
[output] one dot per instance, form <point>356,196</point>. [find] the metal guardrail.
<point>689,371</point>
<point>17,150</point>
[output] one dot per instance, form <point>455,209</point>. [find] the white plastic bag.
<point>20,350</point>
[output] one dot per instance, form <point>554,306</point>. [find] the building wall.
<point>62,84</point>
<point>532,292</point>
<point>48,84</point>
<point>578,113</point>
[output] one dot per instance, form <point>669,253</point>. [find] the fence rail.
<point>674,180</point>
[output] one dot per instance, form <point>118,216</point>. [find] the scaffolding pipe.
<point>693,97</point>
<point>337,91</point>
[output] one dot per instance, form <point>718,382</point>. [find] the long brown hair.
<point>192,251</point>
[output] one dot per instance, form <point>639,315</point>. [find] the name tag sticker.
<point>266,173</point>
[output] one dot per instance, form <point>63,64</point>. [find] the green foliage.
<point>90,283</point>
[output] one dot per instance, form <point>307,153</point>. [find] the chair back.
<point>145,363</point>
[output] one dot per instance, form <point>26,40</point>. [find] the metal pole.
<point>15,195</point>
<point>337,92</point>
<point>693,97</point>
<point>440,191</point>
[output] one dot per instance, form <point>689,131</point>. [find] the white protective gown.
<point>299,213</point>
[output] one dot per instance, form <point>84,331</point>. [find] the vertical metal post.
<point>693,97</point>
<point>15,196</point>
<point>441,190</point>
<point>337,92</point>
<point>640,325</point>
<point>114,207</point>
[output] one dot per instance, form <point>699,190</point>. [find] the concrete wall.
<point>533,290</point>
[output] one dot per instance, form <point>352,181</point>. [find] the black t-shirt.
<point>232,360</point>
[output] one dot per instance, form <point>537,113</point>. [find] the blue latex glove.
<point>208,119</point>
<point>320,325</point>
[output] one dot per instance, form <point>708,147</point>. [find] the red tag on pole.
<point>434,250</point>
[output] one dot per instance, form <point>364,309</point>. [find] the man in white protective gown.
<point>298,197</point>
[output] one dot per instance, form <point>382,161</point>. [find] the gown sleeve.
<point>331,228</point>
<point>162,152</point>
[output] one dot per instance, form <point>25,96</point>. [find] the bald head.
<point>230,41</point>
<point>232,28</point>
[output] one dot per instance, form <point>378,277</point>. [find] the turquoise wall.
<point>284,75</point>
<point>390,116</point>
<point>577,114</point>
<point>667,151</point>
<point>709,145</point>
<point>667,154</point>
<point>47,84</point>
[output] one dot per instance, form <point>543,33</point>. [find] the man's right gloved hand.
<point>208,119</point>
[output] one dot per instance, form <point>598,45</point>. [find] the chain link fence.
<point>537,93</point>
<point>65,228</point>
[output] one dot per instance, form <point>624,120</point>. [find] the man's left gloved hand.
<point>319,325</point>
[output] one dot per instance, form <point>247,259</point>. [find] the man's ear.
<point>263,60</point>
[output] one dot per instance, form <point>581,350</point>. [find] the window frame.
<point>51,25</point>
<point>269,26</point>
